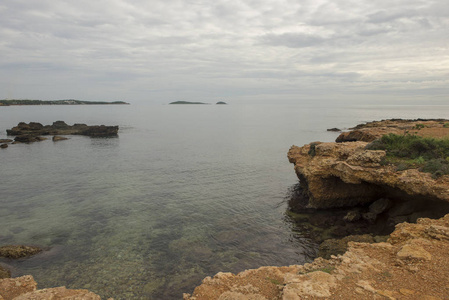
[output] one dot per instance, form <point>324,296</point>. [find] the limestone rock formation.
<point>58,138</point>
<point>24,287</point>
<point>345,174</point>
<point>412,264</point>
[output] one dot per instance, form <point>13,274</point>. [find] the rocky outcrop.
<point>25,287</point>
<point>370,131</point>
<point>18,251</point>
<point>412,264</point>
<point>31,132</point>
<point>345,174</point>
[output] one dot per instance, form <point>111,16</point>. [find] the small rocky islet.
<point>35,132</point>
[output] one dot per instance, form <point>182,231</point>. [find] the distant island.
<point>188,102</point>
<point>55,102</point>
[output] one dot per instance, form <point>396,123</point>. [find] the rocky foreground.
<point>412,264</point>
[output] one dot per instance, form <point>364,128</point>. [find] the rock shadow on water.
<point>333,228</point>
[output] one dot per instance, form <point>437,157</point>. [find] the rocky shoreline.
<point>387,228</point>
<point>35,132</point>
<point>348,188</point>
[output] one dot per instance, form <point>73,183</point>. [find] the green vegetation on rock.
<point>408,151</point>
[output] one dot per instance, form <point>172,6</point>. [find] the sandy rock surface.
<point>413,264</point>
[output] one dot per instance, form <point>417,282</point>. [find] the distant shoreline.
<point>15,102</point>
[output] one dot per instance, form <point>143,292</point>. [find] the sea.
<point>183,192</point>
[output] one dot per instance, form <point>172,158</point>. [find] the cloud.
<point>200,48</point>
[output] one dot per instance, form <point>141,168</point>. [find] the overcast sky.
<point>236,50</point>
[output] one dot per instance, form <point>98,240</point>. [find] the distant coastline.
<point>56,102</point>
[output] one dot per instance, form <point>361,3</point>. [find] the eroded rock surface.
<point>345,174</point>
<point>21,288</point>
<point>412,264</point>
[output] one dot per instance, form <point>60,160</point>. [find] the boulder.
<point>26,138</point>
<point>379,206</point>
<point>18,251</point>
<point>6,141</point>
<point>58,138</point>
<point>3,146</point>
<point>334,129</point>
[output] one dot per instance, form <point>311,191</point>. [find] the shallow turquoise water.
<point>184,192</point>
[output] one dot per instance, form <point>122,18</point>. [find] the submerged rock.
<point>3,146</point>
<point>339,246</point>
<point>18,251</point>
<point>4,272</point>
<point>58,138</point>
<point>334,129</point>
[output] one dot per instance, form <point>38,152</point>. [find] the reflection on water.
<point>182,193</point>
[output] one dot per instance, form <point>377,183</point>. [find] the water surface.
<point>184,192</point>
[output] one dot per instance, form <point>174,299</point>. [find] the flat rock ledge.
<point>31,132</point>
<point>412,264</point>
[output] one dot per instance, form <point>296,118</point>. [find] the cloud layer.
<point>162,51</point>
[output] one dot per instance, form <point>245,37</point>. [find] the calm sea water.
<point>184,192</point>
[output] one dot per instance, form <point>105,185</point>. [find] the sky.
<point>160,51</point>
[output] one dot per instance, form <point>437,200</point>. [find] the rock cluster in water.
<point>33,131</point>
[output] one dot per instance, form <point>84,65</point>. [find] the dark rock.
<point>18,251</point>
<point>370,217</point>
<point>6,141</point>
<point>59,128</point>
<point>221,102</point>
<point>334,129</point>
<point>26,138</point>
<point>59,125</point>
<point>100,131</point>
<point>352,216</point>
<point>340,246</point>
<point>58,138</point>
<point>3,146</point>
<point>379,206</point>
<point>4,272</point>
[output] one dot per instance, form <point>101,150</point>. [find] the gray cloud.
<point>117,49</point>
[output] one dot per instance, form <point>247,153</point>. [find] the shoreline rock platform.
<point>411,264</point>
